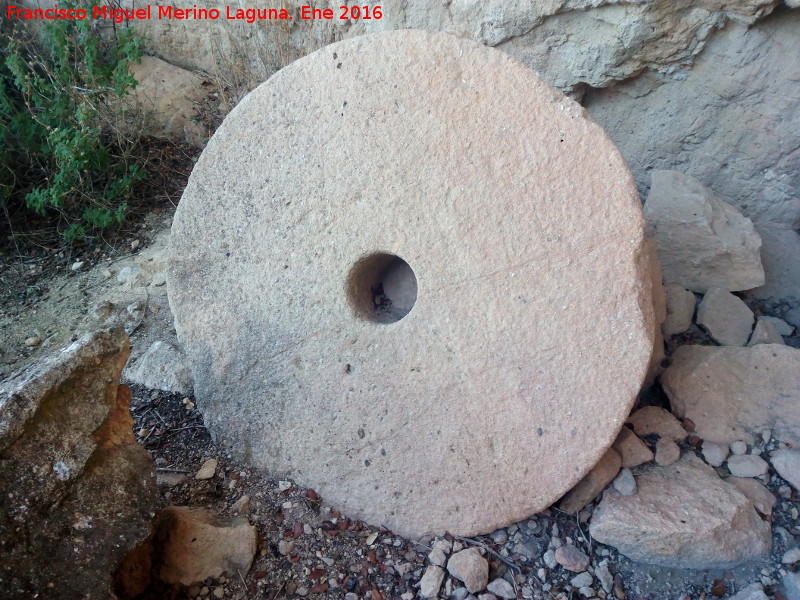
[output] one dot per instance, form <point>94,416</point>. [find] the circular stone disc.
<point>449,175</point>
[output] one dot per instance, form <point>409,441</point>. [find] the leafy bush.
<point>63,150</point>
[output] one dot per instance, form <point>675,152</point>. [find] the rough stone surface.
<point>469,567</point>
<point>715,454</point>
<point>718,526</point>
<point>763,500</point>
<point>790,586</point>
<point>261,306</point>
<point>787,464</point>
<point>192,544</point>
<point>734,393</point>
<point>780,247</point>
<point>571,558</point>
<point>431,582</point>
<point>595,481</point>
<point>726,318</point>
<point>765,332</point>
<point>625,483</point>
<point>781,326</point>
<point>632,450</point>
<point>169,97</point>
<point>751,592</point>
<point>162,367</point>
<point>655,420</point>
<point>747,465</point>
<point>502,589</point>
<point>659,313</point>
<point>667,452</point>
<point>76,485</point>
<point>680,309</point>
<point>703,242</point>
<point>733,120</point>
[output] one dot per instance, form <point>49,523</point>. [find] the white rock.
<point>726,318</point>
<point>791,556</point>
<point>130,275</point>
<point>790,586</point>
<point>580,580</point>
<point>625,484</point>
<point>502,589</point>
<point>732,394</point>
<point>738,447</point>
<point>703,242</point>
<point>208,469</point>
<point>782,327</point>
<point>715,454</point>
<point>747,465</point>
<point>549,559</point>
<point>469,567</point>
<point>751,592</point>
<point>680,309</point>
<point>604,575</point>
<point>765,332</point>
<point>437,557</point>
<point>787,464</point>
<point>77,265</point>
<point>285,547</point>
<point>718,526</point>
<point>162,367</point>
<point>431,582</point>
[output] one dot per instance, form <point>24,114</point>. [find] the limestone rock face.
<point>76,486</point>
<point>733,393</point>
<point>703,242</point>
<point>717,528</point>
<point>169,97</point>
<point>732,121</point>
<point>382,149</point>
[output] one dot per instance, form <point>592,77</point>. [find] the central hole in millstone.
<point>381,288</point>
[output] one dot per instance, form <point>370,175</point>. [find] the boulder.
<point>717,525</point>
<point>703,242</point>
<point>162,367</point>
<point>193,544</point>
<point>77,487</point>
<point>726,318</point>
<point>281,247</point>
<point>680,305</point>
<point>732,394</point>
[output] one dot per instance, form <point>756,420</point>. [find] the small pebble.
<point>625,484</point>
<point>791,556</point>
<point>501,588</point>
<point>208,469</point>
<point>219,592</point>
<point>738,448</point>
<point>285,547</point>
<point>135,244</point>
<point>581,580</point>
<point>667,452</point>
<point>77,265</point>
<point>571,558</point>
<point>33,341</point>
<point>715,454</point>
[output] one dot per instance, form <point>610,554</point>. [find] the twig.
<point>172,470</point>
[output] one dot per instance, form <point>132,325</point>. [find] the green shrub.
<point>63,152</point>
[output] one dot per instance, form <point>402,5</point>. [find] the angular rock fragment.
<point>431,582</point>
<point>655,420</point>
<point>734,393</point>
<point>763,500</point>
<point>593,483</point>
<point>683,516</point>
<point>192,544</point>
<point>787,464</point>
<point>162,367</point>
<point>632,450</point>
<point>726,318</point>
<point>765,332</point>
<point>703,242</point>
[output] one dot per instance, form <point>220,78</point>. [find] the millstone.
<point>409,274</point>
